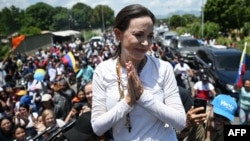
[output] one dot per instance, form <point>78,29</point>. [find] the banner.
<point>16,41</point>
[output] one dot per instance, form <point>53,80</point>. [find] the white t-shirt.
<point>183,69</point>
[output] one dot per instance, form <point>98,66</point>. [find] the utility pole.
<point>202,19</point>
<point>103,23</point>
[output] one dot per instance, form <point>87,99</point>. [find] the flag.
<point>242,67</point>
<point>69,59</point>
<point>16,41</point>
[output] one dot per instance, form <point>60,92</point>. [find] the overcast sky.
<point>158,7</point>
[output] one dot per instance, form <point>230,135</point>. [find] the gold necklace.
<point>121,88</point>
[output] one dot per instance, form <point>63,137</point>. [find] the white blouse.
<point>155,115</point>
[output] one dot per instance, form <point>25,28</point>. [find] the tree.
<point>229,14</point>
<point>40,15</point>
<point>175,21</point>
<point>61,19</point>
<point>103,16</point>
<point>80,16</point>
<point>188,19</point>
<point>10,20</point>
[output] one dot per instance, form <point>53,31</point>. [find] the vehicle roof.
<point>219,51</point>
<point>170,33</point>
<point>181,38</point>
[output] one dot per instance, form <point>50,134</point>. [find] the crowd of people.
<point>129,91</point>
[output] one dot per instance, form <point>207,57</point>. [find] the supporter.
<point>80,98</point>
<point>244,102</point>
<point>6,129</point>
<point>49,120</point>
<point>195,123</point>
<point>185,72</point>
<point>19,134</point>
<point>85,74</point>
<point>204,89</point>
<point>88,93</point>
<point>61,99</point>
<point>52,71</point>
<point>48,103</point>
<point>223,113</point>
<point>74,112</point>
<point>66,91</point>
<point>24,114</point>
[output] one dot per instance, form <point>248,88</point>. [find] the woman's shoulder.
<point>160,62</point>
<point>106,65</point>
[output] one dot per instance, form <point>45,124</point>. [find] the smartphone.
<point>198,102</point>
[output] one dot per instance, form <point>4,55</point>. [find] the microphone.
<point>43,132</point>
<point>64,128</point>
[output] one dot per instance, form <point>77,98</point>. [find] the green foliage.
<point>29,31</point>
<point>223,41</point>
<point>4,49</point>
<point>246,29</point>
<point>175,21</point>
<point>81,15</point>
<point>40,16</point>
<point>61,20</point>
<point>10,20</point>
<point>229,14</point>
<point>211,30</point>
<point>102,14</point>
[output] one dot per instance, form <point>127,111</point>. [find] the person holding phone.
<point>134,94</point>
<point>196,116</point>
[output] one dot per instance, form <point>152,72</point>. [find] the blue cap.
<point>225,105</point>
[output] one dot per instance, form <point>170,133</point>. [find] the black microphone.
<point>64,128</point>
<point>43,132</point>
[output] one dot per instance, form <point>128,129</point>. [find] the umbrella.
<point>39,74</point>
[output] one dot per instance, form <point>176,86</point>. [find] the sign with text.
<point>241,132</point>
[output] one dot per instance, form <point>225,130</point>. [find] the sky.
<point>158,7</point>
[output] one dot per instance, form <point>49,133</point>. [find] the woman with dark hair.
<point>25,117</point>
<point>6,127</point>
<point>133,93</point>
<point>20,134</point>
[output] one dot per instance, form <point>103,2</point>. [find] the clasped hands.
<point>135,88</point>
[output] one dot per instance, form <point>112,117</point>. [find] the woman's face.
<point>137,39</point>
<point>247,85</point>
<point>23,111</point>
<point>40,119</point>
<point>3,95</point>
<point>81,95</point>
<point>5,125</point>
<point>49,120</point>
<point>88,92</point>
<point>20,134</point>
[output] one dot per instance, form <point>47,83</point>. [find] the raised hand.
<point>193,118</point>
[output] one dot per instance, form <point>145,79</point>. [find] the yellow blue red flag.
<point>242,67</point>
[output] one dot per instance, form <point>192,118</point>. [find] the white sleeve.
<point>171,111</point>
<point>102,120</point>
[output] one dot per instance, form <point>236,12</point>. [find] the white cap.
<point>46,97</point>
